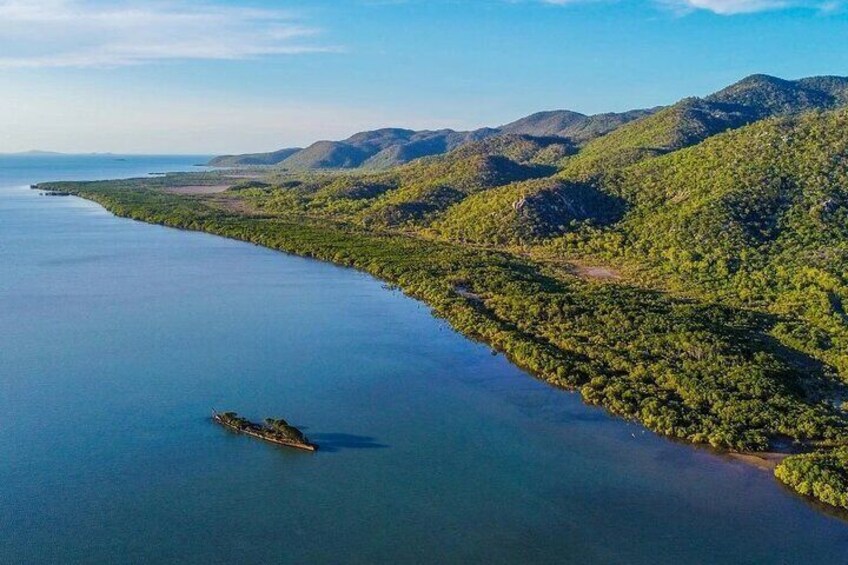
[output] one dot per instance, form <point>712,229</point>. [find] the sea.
<point>119,338</point>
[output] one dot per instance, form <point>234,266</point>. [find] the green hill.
<point>428,187</point>
<point>693,120</point>
<point>763,95</point>
<point>418,192</point>
<point>579,128</point>
<point>758,215</point>
<point>249,159</point>
<point>528,211</point>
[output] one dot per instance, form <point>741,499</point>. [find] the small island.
<point>274,431</point>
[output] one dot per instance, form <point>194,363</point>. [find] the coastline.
<point>761,460</point>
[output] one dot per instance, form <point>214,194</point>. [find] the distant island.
<point>684,267</point>
<point>41,153</point>
<point>34,152</point>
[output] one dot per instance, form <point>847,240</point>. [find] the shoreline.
<point>291,243</point>
<point>763,460</point>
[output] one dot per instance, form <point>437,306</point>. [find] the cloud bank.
<point>92,33</point>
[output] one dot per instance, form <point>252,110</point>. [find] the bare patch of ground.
<point>766,460</point>
<point>594,272</point>
<point>232,204</point>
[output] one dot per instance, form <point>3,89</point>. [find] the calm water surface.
<point>118,338</point>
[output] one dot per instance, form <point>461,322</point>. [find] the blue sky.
<point>202,76</point>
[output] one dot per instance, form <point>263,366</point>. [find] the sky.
<point>212,77</point>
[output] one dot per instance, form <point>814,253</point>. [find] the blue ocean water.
<point>118,338</point>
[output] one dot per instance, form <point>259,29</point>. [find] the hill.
<point>758,215</point>
<point>528,211</point>
<point>389,147</point>
<point>428,187</point>
<point>416,193</point>
<point>379,148</point>
<point>579,128</point>
<point>248,159</point>
<point>761,96</point>
<point>692,120</point>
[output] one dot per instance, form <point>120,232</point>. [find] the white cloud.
<point>731,7</point>
<point>90,33</point>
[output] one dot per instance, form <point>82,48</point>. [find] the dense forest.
<point>685,267</point>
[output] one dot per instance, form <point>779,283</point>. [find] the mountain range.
<point>679,125</point>
<point>389,147</point>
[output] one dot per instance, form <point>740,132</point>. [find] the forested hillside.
<point>758,216</point>
<point>721,222</point>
